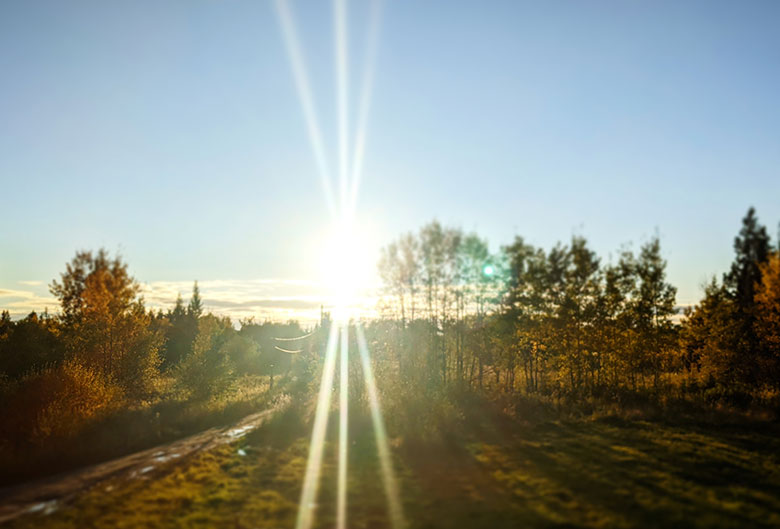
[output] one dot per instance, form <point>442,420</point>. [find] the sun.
<point>347,267</point>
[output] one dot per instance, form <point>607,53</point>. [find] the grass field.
<point>484,469</point>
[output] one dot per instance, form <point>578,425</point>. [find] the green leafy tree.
<point>654,306</point>
<point>616,321</point>
<point>577,309</point>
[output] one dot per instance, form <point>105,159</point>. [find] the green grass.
<point>482,468</point>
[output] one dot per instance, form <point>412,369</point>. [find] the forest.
<point>525,331</point>
<point>562,323</point>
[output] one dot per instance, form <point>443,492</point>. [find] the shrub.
<point>58,402</point>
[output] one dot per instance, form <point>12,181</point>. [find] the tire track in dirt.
<point>46,495</point>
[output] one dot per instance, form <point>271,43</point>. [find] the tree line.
<point>565,323</point>
<point>557,323</point>
<point>105,351</point>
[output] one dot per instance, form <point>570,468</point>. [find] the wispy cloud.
<point>35,283</point>
<point>275,299</point>
<point>21,302</point>
<point>261,299</point>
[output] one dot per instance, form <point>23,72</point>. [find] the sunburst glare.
<point>311,479</point>
<point>346,266</point>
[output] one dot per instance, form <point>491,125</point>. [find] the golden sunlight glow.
<point>311,480</point>
<point>341,501</point>
<point>347,267</point>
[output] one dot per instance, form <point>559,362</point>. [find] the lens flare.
<point>302,85</point>
<point>342,94</point>
<point>344,269</point>
<point>366,92</point>
<point>311,479</point>
<point>341,506</point>
<point>383,450</point>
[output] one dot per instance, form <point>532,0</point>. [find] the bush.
<point>58,402</point>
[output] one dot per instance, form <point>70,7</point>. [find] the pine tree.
<point>178,310</point>
<point>195,308</point>
<point>752,248</point>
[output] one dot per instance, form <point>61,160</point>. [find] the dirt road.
<point>46,495</point>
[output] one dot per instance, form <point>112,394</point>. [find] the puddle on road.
<point>142,471</point>
<point>45,507</point>
<point>165,457</point>
<point>235,433</point>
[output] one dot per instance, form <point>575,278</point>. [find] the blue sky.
<point>172,132</point>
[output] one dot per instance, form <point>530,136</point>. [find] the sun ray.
<point>349,175</point>
<point>366,93</point>
<point>341,508</point>
<point>303,87</point>
<point>386,466</point>
<point>314,464</point>
<point>342,95</point>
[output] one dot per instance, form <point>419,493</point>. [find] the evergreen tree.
<point>180,334</point>
<point>195,308</point>
<point>178,309</point>
<point>208,368</point>
<point>752,247</point>
<point>29,344</point>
